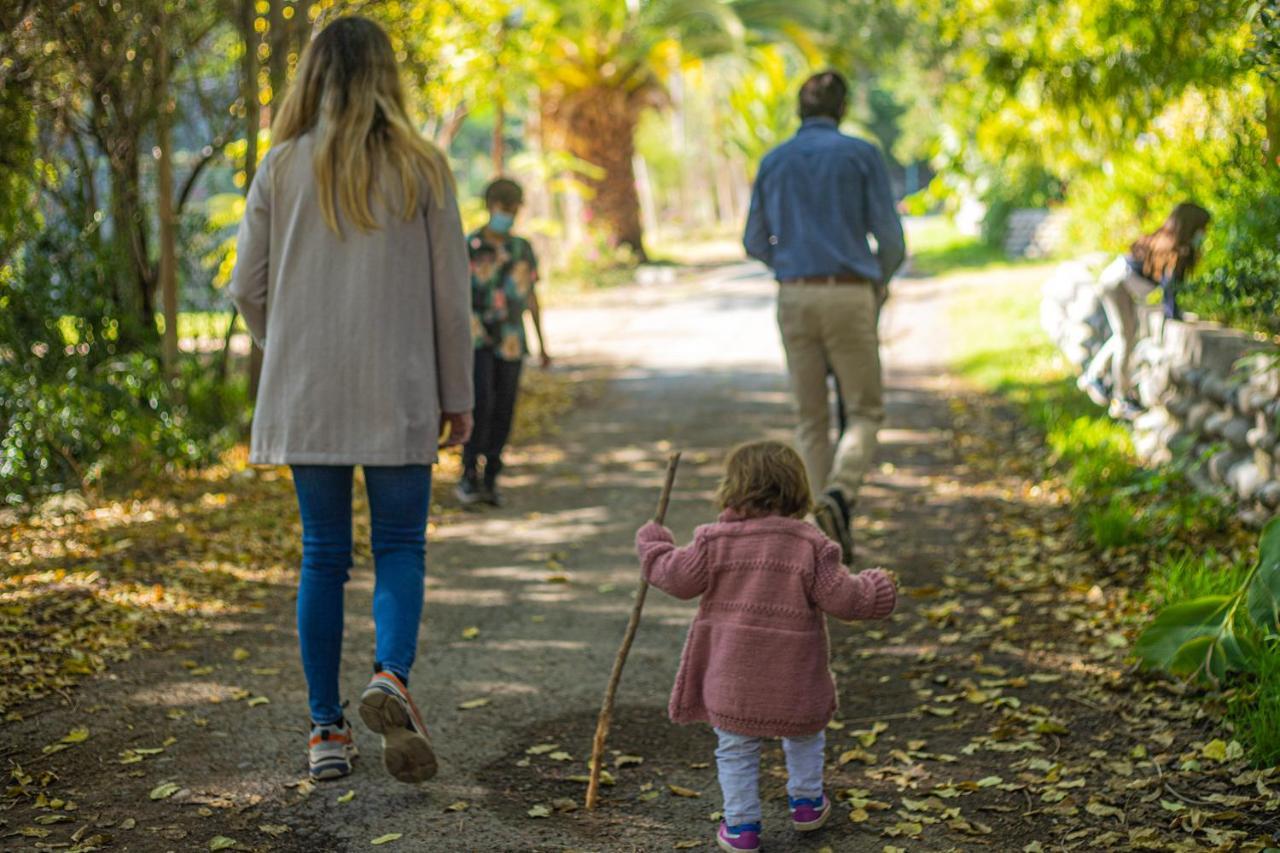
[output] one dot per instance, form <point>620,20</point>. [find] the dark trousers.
<point>497,385</point>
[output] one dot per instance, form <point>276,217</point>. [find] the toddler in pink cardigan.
<point>755,662</point>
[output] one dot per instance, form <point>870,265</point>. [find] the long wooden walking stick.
<point>606,707</point>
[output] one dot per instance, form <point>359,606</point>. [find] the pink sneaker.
<point>743,838</point>
<point>809,814</point>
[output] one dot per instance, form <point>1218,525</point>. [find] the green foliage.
<point>761,105</point>
<point>1120,111</point>
<point>85,424</point>
<point>1115,524</point>
<point>1194,639</point>
<point>1263,589</point>
<point>1212,636</point>
<point>84,402</point>
<point>1239,278</point>
<point>1255,706</point>
<point>1193,575</point>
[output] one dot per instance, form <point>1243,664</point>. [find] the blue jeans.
<point>738,765</point>
<point>399,497</point>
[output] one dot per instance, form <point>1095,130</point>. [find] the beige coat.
<point>366,337</point>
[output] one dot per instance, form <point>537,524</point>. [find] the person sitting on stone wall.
<point>1161,259</point>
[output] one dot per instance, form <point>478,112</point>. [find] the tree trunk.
<point>164,210</point>
<point>249,90</point>
<point>446,129</point>
<point>130,238</point>
<point>499,146</point>
<point>278,59</point>
<point>598,125</point>
<point>253,121</point>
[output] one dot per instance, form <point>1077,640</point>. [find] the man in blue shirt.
<point>816,198</point>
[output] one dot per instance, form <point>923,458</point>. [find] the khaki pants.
<point>835,326</point>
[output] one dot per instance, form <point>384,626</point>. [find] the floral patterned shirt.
<point>499,304</point>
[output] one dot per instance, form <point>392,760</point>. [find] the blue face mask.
<point>501,222</point>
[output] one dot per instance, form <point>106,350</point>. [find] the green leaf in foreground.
<point>1264,588</point>
<point>1185,638</point>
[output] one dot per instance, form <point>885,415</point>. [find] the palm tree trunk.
<point>599,125</point>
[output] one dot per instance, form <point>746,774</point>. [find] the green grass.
<point>1119,504</point>
<point>1191,574</point>
<point>1255,708</point>
<point>1093,454</point>
<point>1115,524</point>
<point>936,246</point>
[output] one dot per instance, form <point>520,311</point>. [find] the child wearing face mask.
<point>506,291</point>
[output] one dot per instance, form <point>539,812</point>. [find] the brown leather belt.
<point>825,279</point>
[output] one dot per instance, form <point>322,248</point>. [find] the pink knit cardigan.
<point>755,661</point>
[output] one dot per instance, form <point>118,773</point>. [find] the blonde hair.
<point>765,478</point>
<point>348,91</point>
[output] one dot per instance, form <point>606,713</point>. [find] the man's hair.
<point>503,191</point>
<point>765,478</point>
<point>824,94</point>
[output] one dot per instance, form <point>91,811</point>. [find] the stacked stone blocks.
<point>1210,395</point>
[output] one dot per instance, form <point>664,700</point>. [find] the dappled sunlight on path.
<point>993,711</point>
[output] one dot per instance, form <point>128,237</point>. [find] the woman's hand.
<point>455,428</point>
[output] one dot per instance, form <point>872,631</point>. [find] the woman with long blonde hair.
<point>352,274</point>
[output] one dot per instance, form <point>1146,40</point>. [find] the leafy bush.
<point>596,263</point>
<point>1238,281</point>
<point>84,397</point>
<point>1207,146</point>
<point>83,424</point>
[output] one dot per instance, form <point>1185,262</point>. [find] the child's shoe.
<point>330,750</point>
<point>743,838</point>
<point>386,708</point>
<point>1125,409</point>
<point>809,814</point>
<point>468,491</point>
<point>1095,389</point>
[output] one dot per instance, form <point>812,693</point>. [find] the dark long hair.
<point>1171,250</point>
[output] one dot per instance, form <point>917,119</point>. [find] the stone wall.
<point>1210,395</point>
<point>1034,232</point>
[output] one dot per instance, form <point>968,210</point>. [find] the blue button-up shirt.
<point>816,198</point>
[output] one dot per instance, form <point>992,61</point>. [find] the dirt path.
<point>994,710</point>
